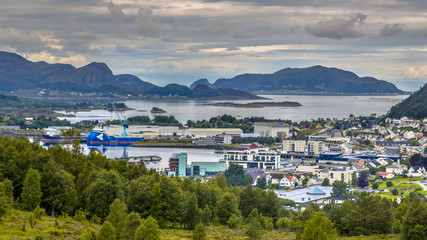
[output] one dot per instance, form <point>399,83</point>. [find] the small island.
<point>256,104</point>
<point>157,110</point>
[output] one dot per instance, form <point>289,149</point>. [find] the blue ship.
<point>96,138</point>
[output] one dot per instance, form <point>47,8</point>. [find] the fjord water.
<point>313,107</point>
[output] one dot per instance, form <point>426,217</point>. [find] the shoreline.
<point>166,145</point>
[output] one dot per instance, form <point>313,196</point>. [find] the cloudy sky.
<point>164,41</point>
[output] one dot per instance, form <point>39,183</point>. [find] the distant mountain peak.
<point>202,81</point>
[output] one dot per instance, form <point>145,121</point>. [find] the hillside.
<point>415,106</point>
<point>10,102</point>
<point>19,74</point>
<point>316,79</point>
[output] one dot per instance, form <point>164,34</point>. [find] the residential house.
<point>416,171</point>
<point>287,181</point>
<point>386,175</point>
<point>396,168</point>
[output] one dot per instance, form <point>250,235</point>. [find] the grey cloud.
<point>338,28</point>
<point>22,41</point>
<point>220,27</point>
<point>116,12</point>
<point>233,49</point>
<point>143,23</point>
<point>391,29</point>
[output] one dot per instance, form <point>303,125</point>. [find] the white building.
<point>417,171</point>
<point>211,132</point>
<point>271,129</point>
<point>316,147</point>
<point>293,146</point>
<point>263,158</point>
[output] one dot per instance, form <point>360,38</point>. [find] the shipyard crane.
<point>123,122</point>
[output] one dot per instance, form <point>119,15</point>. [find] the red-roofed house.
<point>386,175</point>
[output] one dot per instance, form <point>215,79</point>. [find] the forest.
<point>127,201</point>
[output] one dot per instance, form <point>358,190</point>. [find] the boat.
<point>98,138</point>
<point>54,136</point>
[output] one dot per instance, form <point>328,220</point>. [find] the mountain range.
<point>21,75</point>
<point>315,79</point>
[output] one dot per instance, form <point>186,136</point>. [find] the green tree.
<point>156,202</point>
<point>363,180</point>
<point>133,221</point>
<point>8,190</point>
<point>416,215</point>
<point>31,192</point>
<point>117,216</point>
<point>375,185</point>
<point>149,230</point>
<point>395,192</point>
<point>389,184</point>
<point>199,232</point>
<point>4,205</point>
<point>354,179</point>
<point>101,193</point>
<point>339,188</point>
<point>236,175</point>
<point>58,189</point>
<point>206,215</point>
<point>226,206</point>
<point>191,213</point>
<point>284,223</point>
<point>248,200</point>
<point>221,180</point>
<point>107,232</point>
<point>319,228</point>
<point>418,233</point>
<point>261,183</point>
<point>325,182</point>
<point>254,230</point>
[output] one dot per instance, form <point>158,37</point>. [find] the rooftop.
<point>302,195</point>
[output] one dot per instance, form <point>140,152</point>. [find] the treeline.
<point>145,120</point>
<point>122,197</point>
<point>36,123</point>
<point>415,106</point>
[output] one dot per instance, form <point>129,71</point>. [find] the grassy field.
<point>15,225</point>
<point>403,185</point>
<point>12,228</point>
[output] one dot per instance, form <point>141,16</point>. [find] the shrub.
<point>375,185</point>
<point>389,184</point>
<point>32,220</point>
<point>39,212</point>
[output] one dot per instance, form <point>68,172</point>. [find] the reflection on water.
<point>313,107</point>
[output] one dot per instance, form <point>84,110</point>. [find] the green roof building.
<point>207,168</point>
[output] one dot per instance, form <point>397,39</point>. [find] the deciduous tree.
<point>319,227</point>
<point>31,192</point>
<point>149,230</point>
